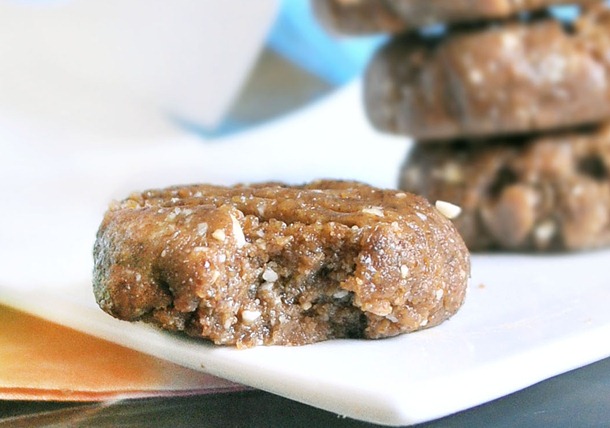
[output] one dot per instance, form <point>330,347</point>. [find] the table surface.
<point>578,398</point>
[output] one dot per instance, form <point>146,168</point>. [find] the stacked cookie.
<point>508,108</point>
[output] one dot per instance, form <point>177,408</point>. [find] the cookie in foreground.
<point>537,193</point>
<point>270,264</point>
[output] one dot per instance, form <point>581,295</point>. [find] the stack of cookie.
<point>509,108</point>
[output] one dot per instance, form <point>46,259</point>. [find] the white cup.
<point>119,65</point>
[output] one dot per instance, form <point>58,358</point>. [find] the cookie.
<point>520,77</point>
<point>397,16</point>
<point>276,265</point>
<point>545,193</point>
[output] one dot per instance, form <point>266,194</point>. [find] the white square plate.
<point>526,318</point>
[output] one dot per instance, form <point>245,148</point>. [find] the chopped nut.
<point>171,216</point>
<point>381,308</point>
<point>544,232</point>
<point>448,209</point>
<point>219,235</point>
<point>266,286</point>
<point>202,229</point>
<point>376,211</point>
<point>306,306</point>
<point>451,173</point>
<point>215,276</point>
<point>509,41</point>
<point>250,316</point>
<point>475,76</point>
<point>340,294</point>
<point>228,323</point>
<point>238,233</point>
<point>261,209</point>
<point>270,275</point>
<point>129,204</point>
<point>404,271</point>
<point>578,190</point>
<point>555,68</point>
<point>512,217</point>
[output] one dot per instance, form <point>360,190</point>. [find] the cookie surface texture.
<point>506,79</point>
<point>271,264</point>
<point>547,193</point>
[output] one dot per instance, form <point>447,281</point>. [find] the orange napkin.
<point>40,360</point>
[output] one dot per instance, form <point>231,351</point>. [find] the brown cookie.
<point>277,265</point>
<point>540,193</point>
<point>397,16</point>
<point>497,80</point>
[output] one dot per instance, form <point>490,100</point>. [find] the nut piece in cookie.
<point>276,265</point>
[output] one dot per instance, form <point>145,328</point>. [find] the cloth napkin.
<point>40,360</point>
